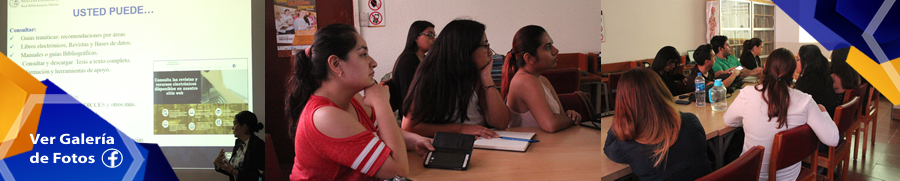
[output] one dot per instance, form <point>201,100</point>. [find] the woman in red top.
<point>338,136</point>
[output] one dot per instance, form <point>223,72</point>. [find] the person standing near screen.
<point>248,157</point>
<point>338,133</point>
<point>418,41</point>
<point>453,90</point>
<point>531,98</point>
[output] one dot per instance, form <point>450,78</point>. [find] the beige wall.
<point>637,29</point>
<point>574,25</point>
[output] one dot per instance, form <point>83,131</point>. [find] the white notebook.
<point>504,144</point>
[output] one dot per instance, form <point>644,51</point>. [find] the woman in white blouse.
<point>773,106</point>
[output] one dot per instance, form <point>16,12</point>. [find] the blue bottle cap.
<point>699,74</point>
<point>718,82</point>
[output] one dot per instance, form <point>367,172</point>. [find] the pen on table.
<point>520,139</point>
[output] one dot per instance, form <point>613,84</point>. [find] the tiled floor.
<point>882,162</point>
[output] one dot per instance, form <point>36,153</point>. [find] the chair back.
<point>845,115</point>
<point>792,146</point>
<point>564,80</point>
<point>871,107</point>
<point>273,169</point>
<point>744,168</point>
<point>580,102</point>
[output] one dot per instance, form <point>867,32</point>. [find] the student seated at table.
<point>705,60</point>
<point>650,135</point>
<point>725,61</point>
<point>418,41</point>
<point>453,90</point>
<point>667,58</point>
<point>814,79</point>
<point>773,106</point>
<point>844,76</point>
<point>339,134</point>
<point>531,98</point>
<point>750,56</point>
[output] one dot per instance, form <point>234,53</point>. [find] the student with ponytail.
<point>453,90</point>
<point>773,106</point>
<point>531,98</point>
<point>649,134</point>
<point>750,56</point>
<point>339,134</point>
<point>248,157</point>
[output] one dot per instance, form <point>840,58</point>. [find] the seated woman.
<point>750,56</point>
<point>453,90</point>
<point>814,79</point>
<point>844,76</point>
<point>773,106</point>
<point>650,135</point>
<point>248,157</point>
<point>531,98</point>
<point>418,41</point>
<point>667,58</point>
<point>340,135</point>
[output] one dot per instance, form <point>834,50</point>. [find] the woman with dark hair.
<point>453,90</point>
<point>531,98</point>
<point>339,134</point>
<point>667,58</point>
<point>773,106</point>
<point>418,41</point>
<point>248,157</point>
<point>750,56</point>
<point>814,79</point>
<point>650,135</point>
<point>844,76</point>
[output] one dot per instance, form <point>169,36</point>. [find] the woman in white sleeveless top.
<point>531,99</point>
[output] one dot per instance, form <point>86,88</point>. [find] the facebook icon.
<point>111,158</point>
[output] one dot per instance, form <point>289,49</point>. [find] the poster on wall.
<point>295,23</point>
<point>602,26</point>
<point>712,19</point>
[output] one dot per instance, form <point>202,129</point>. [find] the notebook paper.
<point>504,144</point>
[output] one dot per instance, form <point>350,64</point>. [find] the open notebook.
<point>504,144</point>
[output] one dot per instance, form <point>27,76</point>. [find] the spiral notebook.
<point>504,144</point>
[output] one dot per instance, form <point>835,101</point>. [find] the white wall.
<point>637,29</point>
<point>573,24</point>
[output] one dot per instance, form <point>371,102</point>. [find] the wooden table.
<point>712,121</point>
<point>571,154</point>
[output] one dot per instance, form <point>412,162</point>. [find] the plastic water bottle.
<point>700,90</point>
<point>717,96</point>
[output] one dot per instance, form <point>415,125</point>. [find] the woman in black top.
<point>248,159</point>
<point>667,58</point>
<point>650,135</point>
<point>844,76</point>
<point>750,55</point>
<point>418,41</point>
<point>814,79</point>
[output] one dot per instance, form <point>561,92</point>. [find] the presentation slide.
<point>168,72</point>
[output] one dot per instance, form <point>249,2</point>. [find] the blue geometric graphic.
<point>62,153</point>
<point>868,25</point>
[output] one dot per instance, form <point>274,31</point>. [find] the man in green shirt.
<point>725,61</point>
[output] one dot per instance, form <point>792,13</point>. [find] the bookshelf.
<point>745,19</point>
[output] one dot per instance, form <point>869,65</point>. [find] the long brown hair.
<point>526,40</point>
<point>645,112</point>
<point>776,83</point>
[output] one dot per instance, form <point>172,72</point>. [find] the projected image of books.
<point>195,118</point>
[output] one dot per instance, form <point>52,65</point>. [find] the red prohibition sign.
<point>375,4</point>
<point>375,18</point>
